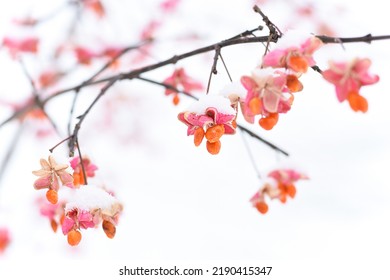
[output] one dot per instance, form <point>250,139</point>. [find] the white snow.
<point>234,88</point>
<point>222,104</point>
<point>292,38</point>
<point>90,197</point>
<point>261,73</point>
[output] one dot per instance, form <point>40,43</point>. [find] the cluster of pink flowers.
<point>211,116</point>
<point>180,80</point>
<point>90,207</point>
<point>78,174</point>
<point>86,207</point>
<point>21,45</point>
<point>280,185</point>
<point>85,55</point>
<point>269,93</point>
<point>271,87</point>
<point>50,175</point>
<point>348,78</point>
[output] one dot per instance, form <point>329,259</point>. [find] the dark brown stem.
<point>81,162</point>
<point>214,66</point>
<point>365,39</point>
<point>74,138</point>
<point>274,31</point>
<point>226,69</point>
<point>62,141</point>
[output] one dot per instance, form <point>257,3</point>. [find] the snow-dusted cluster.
<point>82,206</point>
<point>211,116</point>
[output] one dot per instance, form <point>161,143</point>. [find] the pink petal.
<point>248,83</point>
<point>229,129</point>
<point>331,76</point>
<point>284,106</point>
<point>42,183</point>
<point>274,58</point>
<point>67,225</point>
<point>248,116</point>
<point>66,178</point>
<point>271,101</point>
<point>75,162</point>
<point>190,85</point>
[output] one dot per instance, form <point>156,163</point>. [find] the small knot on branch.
<point>273,29</point>
<point>368,38</point>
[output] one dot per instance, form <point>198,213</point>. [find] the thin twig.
<point>273,29</point>
<point>37,99</point>
<point>62,141</point>
<point>11,149</point>
<point>214,66</point>
<point>224,65</point>
<point>74,138</point>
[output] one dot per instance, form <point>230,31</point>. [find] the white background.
<point>182,203</point>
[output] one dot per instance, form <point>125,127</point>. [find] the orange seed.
<point>109,229</point>
<point>52,196</point>
<point>176,100</point>
<point>214,133</point>
<point>198,136</point>
<point>293,83</point>
<point>54,225</point>
<point>74,237</point>
<point>357,102</point>
<point>255,105</point>
<point>213,148</point>
<point>269,122</point>
<point>298,64</point>
<point>262,207</point>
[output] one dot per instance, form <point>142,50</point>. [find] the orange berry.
<point>176,99</point>
<point>52,196</point>
<point>269,122</point>
<point>283,198</point>
<point>357,102</point>
<point>54,225</point>
<point>62,219</point>
<point>293,83</point>
<point>74,237</point>
<point>262,207</point>
<point>214,133</point>
<point>213,148</point>
<point>298,64</point>
<point>198,136</point>
<point>109,229</point>
<point>78,179</point>
<point>256,106</point>
<point>291,190</point>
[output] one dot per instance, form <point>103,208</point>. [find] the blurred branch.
<point>235,40</point>
<point>11,149</point>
